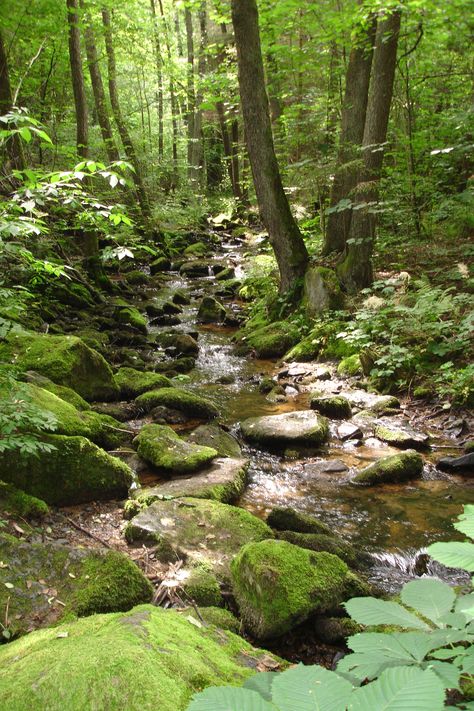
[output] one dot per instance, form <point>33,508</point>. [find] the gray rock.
<point>321,290</point>
<point>400,467</point>
<point>347,430</point>
<point>305,427</point>
<point>400,434</point>
<point>216,437</point>
<point>461,465</point>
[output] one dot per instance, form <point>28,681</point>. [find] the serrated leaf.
<point>223,698</point>
<point>465,522</point>
<point>453,555</point>
<point>311,688</point>
<point>262,684</point>
<point>448,673</point>
<point>464,604</point>
<point>400,689</point>
<point>370,611</point>
<point>431,598</point>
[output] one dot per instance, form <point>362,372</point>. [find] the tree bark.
<point>173,100</point>
<point>159,78</point>
<point>13,146</point>
<point>78,86</point>
<point>98,91</point>
<point>355,270</point>
<point>352,132</point>
<point>285,237</point>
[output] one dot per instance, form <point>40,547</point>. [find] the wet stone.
<point>457,465</point>
<point>400,434</point>
<point>347,431</point>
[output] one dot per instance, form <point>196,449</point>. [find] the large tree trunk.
<point>275,212</point>
<point>78,87</point>
<point>98,91</point>
<point>121,125</point>
<point>13,147</point>
<point>355,270</point>
<point>352,132</point>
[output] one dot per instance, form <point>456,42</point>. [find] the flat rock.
<point>400,434</point>
<point>461,465</point>
<point>347,430</point>
<point>216,437</point>
<point>333,466</point>
<point>305,428</point>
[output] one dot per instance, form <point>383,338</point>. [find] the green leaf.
<point>311,688</point>
<point>230,699</point>
<point>369,611</point>
<point>465,522</point>
<point>262,684</point>
<point>454,555</point>
<point>431,598</point>
<point>401,689</point>
<point>25,133</point>
<point>448,673</point>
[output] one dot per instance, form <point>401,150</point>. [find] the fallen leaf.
<point>17,528</point>
<point>193,621</point>
<point>9,585</point>
<point>62,635</point>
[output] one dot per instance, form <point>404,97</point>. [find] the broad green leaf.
<point>262,684</point>
<point>431,598</point>
<point>400,689</point>
<point>369,611</point>
<point>223,698</point>
<point>464,604</point>
<point>465,522</point>
<point>310,688</point>
<point>448,673</point>
<point>454,555</point>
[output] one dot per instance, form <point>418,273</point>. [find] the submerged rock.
<point>145,659</point>
<point>177,399</point>
<point>216,437</point>
<point>461,465</point>
<point>334,406</point>
<point>132,382</point>
<point>278,585</point>
<point>399,467</point>
<point>162,447</point>
<point>287,519</point>
<point>399,434</point>
<point>304,428</point>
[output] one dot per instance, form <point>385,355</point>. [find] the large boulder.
<point>321,291</point>
<point>184,401</point>
<point>44,582</point>
<point>278,585</point>
<point>319,542</point>
<point>399,467</point>
<point>17,503</point>
<point>216,437</point>
<point>132,382</point>
<point>145,659</point>
<point>75,471</point>
<point>66,360</point>
<point>163,448</point>
<point>302,428</point>
<point>198,530</point>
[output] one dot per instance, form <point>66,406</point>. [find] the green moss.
<point>350,365</point>
<point>198,249</point>
<point>334,630</point>
<point>270,341</point>
<point>221,618</point>
<point>211,311</point>
<point>226,274</point>
<point>334,406</point>
<point>323,542</point>
<point>283,518</point>
<point>133,382</point>
<point>469,447</point>
<point>278,585</point>
<point>21,504</point>
<point>74,472</point>
<point>62,391</point>
<point>146,659</point>
<point>203,587</point>
<point>178,399</point>
<point>65,360</point>
<point>306,350</point>
<point>162,447</point>
<point>423,392</point>
<point>130,316</point>
<point>402,436</point>
<point>136,277</point>
<point>161,264</point>
<point>400,467</point>
<point>216,437</point>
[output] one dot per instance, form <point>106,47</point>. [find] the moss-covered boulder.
<point>145,659</point>
<point>161,264</point>
<point>161,446</point>
<point>302,428</point>
<point>136,278</point>
<point>131,316</point>
<point>62,391</point>
<point>202,586</point>
<point>75,471</point>
<point>321,291</point>
<point>350,365</point>
<point>45,582</point>
<point>198,249</point>
<point>66,360</point>
<point>196,268</point>
<point>17,502</point>
<point>197,530</point>
<point>184,401</point>
<point>179,343</point>
<point>270,341</point>
<point>211,311</point>
<point>226,274</point>
<point>218,438</point>
<point>334,406</point>
<point>306,350</point>
<point>219,617</point>
<point>401,434</point>
<point>319,542</point>
<point>132,382</point>
<point>284,518</point>
<point>399,467</point>
<point>278,585</point>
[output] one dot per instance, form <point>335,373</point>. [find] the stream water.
<point>391,522</point>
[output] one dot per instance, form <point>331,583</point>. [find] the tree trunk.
<point>159,77</point>
<point>352,132</point>
<point>191,117</point>
<point>173,101</point>
<point>78,87</point>
<point>13,146</point>
<point>121,125</point>
<point>285,237</point>
<point>98,91</point>
<point>355,270</point>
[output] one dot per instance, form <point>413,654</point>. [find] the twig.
<point>88,533</point>
<point>30,64</point>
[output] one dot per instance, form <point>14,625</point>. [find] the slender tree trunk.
<point>352,131</point>
<point>13,147</point>
<point>159,78</point>
<point>43,93</point>
<point>98,91</point>
<point>173,100</point>
<point>78,87</point>
<point>285,237</point>
<point>121,125</point>
<point>191,92</point>
<point>355,270</point>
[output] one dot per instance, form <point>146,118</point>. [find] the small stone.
<point>333,466</point>
<point>287,519</point>
<point>346,431</point>
<point>303,428</point>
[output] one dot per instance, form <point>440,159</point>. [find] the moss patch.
<point>321,542</point>
<point>133,382</point>
<point>284,518</point>
<point>270,341</point>
<point>177,399</point>
<point>335,406</point>
<point>162,447</point>
<point>216,437</point>
<point>350,365</point>
<point>17,502</point>
<point>400,467</point>
<point>203,587</point>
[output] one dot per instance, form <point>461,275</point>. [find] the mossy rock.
<point>469,447</point>
<point>161,264</point>
<point>49,581</point>
<point>66,360</point>
<point>181,298</point>
<point>335,630</point>
<point>334,406</point>
<point>226,274</point>
<point>17,502</point>
<point>199,530</point>
<point>137,278</point>
<point>399,434</point>
<point>301,428</point>
<point>196,268</point>
<point>211,311</point>
<point>130,316</point>
<point>219,617</point>
<point>270,341</point>
<point>216,437</point>
<point>322,291</point>
<point>399,467</point>
<point>350,366</point>
<point>324,542</point>
<point>278,585</point>
<point>144,659</point>
<point>62,391</point>
<point>202,587</point>
<point>306,350</point>
<point>161,446</point>
<point>198,249</point>
<point>132,382</point>
<point>284,518</point>
<point>75,471</point>
<point>184,401</point>
<point>179,343</point>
